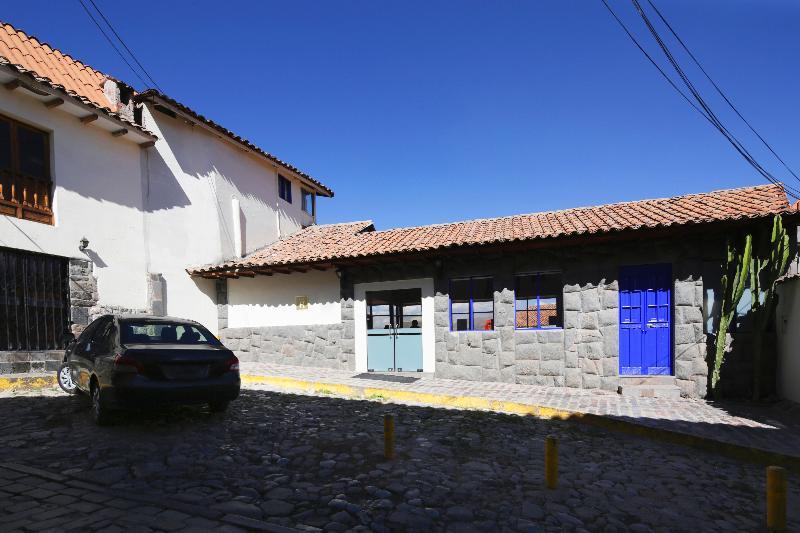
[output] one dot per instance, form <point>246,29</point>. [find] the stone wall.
<point>585,352</point>
<point>326,346</point>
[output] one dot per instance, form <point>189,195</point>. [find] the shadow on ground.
<point>317,461</point>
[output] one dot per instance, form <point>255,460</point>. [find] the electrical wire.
<point>718,89</point>
<point>703,108</point>
<point>144,70</point>
<point>112,43</point>
<point>715,121</point>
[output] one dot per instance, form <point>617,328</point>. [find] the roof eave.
<point>152,95</point>
<point>40,86</point>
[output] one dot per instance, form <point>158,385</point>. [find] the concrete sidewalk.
<point>758,432</point>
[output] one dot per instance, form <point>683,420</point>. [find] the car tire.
<point>64,378</point>
<point>218,407</point>
<point>100,412</point>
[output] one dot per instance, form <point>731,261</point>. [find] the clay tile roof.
<point>47,62</point>
<point>359,239</point>
<point>40,62</point>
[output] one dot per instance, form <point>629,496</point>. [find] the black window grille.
<point>34,301</point>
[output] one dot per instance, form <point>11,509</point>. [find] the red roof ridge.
<point>626,203</point>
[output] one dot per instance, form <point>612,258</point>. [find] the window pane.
<point>380,309</point>
<point>459,290</point>
<point>379,322</point>
<point>548,313</point>
<point>32,150</point>
<point>412,309</point>
<point>550,285</point>
<point>460,307</point>
<point>484,306</point>
<point>412,321</point>
<point>5,144</point>
<point>483,320</point>
<point>526,313</point>
<point>525,286</point>
<point>460,322</point>
<point>482,289</point>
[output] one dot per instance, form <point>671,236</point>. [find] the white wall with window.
<point>194,182</point>
<point>96,193</point>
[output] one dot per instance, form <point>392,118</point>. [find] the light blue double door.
<point>394,330</point>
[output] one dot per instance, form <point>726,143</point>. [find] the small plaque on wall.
<point>301,302</point>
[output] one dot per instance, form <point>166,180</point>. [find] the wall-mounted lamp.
<point>84,244</point>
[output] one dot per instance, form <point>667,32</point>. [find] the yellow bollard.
<point>551,461</point>
<point>388,436</point>
<point>776,498</point>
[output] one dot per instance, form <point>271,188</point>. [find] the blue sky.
<point>426,112</point>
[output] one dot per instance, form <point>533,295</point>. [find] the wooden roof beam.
<point>55,102</point>
<point>119,133</point>
<point>13,84</point>
<point>88,119</point>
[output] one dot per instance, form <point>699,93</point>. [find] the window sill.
<point>472,330</point>
<point>560,328</point>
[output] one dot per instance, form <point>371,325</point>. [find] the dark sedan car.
<point>140,361</point>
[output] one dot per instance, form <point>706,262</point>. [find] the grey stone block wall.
<point>323,345</point>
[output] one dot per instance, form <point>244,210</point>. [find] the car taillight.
<point>232,364</point>
<point>123,363</point>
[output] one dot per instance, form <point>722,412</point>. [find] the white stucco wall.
<point>270,300</point>
<point>191,177</point>
<point>788,326</point>
<point>428,331</point>
<point>97,194</point>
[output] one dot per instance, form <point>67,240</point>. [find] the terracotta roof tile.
<point>359,239</point>
<point>46,62</point>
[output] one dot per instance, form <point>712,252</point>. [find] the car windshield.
<point>159,332</point>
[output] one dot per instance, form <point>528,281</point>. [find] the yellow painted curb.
<point>736,451</point>
<point>27,383</point>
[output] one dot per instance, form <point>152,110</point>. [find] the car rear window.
<point>158,332</point>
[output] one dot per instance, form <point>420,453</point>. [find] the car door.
<point>102,351</point>
<point>80,359</point>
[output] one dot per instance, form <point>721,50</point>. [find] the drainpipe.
<point>237,226</point>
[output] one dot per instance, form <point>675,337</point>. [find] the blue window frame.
<point>472,304</point>
<point>538,301</point>
<point>284,188</point>
<point>307,202</point>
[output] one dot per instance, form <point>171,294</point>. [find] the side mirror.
<point>69,339</point>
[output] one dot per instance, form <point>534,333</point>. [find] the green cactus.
<point>736,268</point>
<point>767,265</point>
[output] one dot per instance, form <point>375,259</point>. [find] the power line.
<point>704,109</point>
<point>715,121</point>
<point>126,46</point>
<point>719,90</point>
<point>112,43</point>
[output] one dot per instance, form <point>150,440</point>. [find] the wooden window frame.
<point>25,196</point>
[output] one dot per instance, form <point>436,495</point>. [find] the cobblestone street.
<point>316,462</point>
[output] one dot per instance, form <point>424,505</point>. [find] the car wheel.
<point>218,407</point>
<point>99,410</point>
<point>65,379</point>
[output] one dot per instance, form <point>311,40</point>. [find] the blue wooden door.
<point>645,304</point>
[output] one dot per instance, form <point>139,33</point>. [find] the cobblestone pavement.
<point>772,428</point>
<point>316,462</point>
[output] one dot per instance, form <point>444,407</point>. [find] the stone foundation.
<point>325,346</point>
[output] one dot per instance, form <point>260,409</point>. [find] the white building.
<point>151,185</point>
